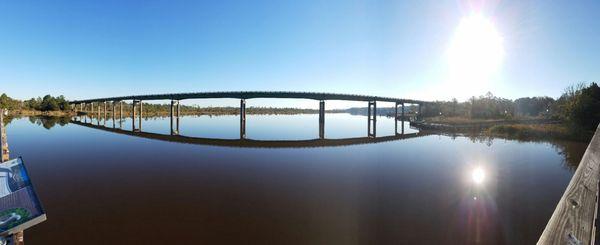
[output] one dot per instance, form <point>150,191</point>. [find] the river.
<point>110,187</point>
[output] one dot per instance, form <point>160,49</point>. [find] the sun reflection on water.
<point>478,175</point>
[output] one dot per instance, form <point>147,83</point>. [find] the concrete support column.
<point>178,108</point>
<point>322,119</point>
<point>133,115</point>
<point>141,114</point>
<point>396,118</point>
<point>402,118</point>
<point>372,118</point>
<point>242,118</point>
<point>120,113</point>
<point>105,116</point>
<point>98,112</point>
<point>172,114</point>
<point>113,115</point>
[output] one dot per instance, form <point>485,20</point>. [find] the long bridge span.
<point>88,105</point>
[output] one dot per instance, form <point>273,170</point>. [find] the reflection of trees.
<point>572,151</point>
<point>48,122</point>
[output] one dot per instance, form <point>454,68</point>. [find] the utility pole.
<point>17,238</point>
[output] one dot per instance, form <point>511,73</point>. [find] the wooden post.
<point>3,140</point>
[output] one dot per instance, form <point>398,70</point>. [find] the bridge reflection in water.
<point>243,141</point>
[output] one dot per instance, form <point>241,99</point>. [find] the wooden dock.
<point>574,219</point>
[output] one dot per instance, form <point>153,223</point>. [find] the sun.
<point>475,53</point>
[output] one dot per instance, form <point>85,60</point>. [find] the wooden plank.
<point>3,141</point>
<point>573,219</point>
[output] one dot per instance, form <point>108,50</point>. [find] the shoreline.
<point>520,129</point>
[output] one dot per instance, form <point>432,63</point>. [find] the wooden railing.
<point>573,220</point>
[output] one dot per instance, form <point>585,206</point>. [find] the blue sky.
<point>87,49</point>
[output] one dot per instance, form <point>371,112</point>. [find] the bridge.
<point>88,105</point>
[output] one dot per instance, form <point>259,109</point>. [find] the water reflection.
<point>244,142</point>
<point>478,175</point>
<point>420,190</point>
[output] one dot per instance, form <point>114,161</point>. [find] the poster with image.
<point>19,205</point>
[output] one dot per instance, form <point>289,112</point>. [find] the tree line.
<point>579,106</point>
<point>47,103</point>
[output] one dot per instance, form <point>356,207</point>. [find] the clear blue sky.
<point>86,49</point>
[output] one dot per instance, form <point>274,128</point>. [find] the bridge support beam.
<point>141,114</point>
<point>174,117</point>
<point>113,115</point>
<point>133,115</point>
<point>402,118</point>
<point>98,112</point>
<point>322,119</point>
<point>372,118</point>
<point>120,114</point>
<point>105,114</point>
<point>242,119</point>
<point>396,117</point>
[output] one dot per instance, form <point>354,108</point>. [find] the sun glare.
<point>475,53</point>
<point>478,175</point>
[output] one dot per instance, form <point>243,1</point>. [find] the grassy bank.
<point>21,113</point>
<point>539,131</point>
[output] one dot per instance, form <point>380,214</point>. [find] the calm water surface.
<point>101,187</point>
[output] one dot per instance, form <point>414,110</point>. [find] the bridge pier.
<point>419,114</point>
<point>133,105</point>
<point>105,115</point>
<point>141,114</point>
<point>91,112</point>
<point>121,114</point>
<point>175,117</point>
<point>402,118</point>
<point>113,114</point>
<point>372,118</point>
<point>322,119</point>
<point>98,112</point>
<point>242,119</point>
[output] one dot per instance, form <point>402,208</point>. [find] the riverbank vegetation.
<point>574,115</point>
<point>59,106</point>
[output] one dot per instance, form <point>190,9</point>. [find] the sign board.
<point>19,205</point>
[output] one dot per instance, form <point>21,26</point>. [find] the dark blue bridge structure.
<point>89,104</point>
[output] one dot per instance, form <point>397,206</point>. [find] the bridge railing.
<point>573,220</point>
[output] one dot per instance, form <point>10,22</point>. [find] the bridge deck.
<point>253,94</point>
<point>573,220</point>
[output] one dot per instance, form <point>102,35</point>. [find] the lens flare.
<point>478,175</point>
